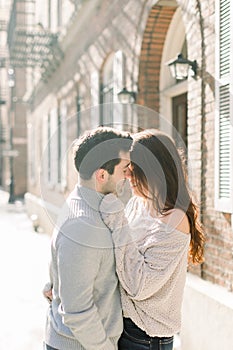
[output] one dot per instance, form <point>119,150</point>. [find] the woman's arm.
<point>144,266</point>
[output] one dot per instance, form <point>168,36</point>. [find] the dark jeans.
<point>133,338</point>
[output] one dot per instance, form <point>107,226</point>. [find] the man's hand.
<point>48,292</point>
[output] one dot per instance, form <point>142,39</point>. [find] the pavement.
<point>24,256</point>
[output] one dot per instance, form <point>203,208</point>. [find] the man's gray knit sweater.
<point>85,312</point>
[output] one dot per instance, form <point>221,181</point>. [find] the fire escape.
<point>31,45</point>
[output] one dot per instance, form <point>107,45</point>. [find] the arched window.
<point>107,91</point>
<point>112,83</point>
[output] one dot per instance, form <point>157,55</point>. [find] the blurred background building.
<point>63,64</point>
<point>13,152</point>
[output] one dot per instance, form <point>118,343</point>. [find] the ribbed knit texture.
<point>86,311</point>
<point>151,260</point>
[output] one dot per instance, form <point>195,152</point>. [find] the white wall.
<point>207,316</point>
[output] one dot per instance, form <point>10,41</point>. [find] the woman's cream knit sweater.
<point>151,263</point>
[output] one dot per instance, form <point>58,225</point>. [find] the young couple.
<point>144,248</point>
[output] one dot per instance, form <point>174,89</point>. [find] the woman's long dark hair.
<point>160,177</point>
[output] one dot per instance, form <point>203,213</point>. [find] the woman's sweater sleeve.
<point>143,267</point>
<point>146,253</point>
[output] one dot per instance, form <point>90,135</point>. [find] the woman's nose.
<point>128,173</point>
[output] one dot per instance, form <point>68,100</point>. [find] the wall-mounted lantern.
<point>181,67</point>
<point>126,96</point>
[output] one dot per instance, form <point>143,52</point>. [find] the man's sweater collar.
<point>90,196</point>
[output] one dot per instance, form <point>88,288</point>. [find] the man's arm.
<point>78,266</point>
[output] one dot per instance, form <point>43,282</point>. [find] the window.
<point>59,13</point>
<point>95,112</point>
<point>112,83</point>
<point>32,153</point>
<point>52,148</point>
<point>62,144</point>
<point>49,14</point>
<point>49,177</point>
<point>54,157</point>
<point>224,107</point>
<point>59,150</point>
<point>107,92</point>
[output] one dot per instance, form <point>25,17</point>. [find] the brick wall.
<point>199,17</point>
<point>150,59</point>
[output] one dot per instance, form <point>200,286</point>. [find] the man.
<point>85,312</point>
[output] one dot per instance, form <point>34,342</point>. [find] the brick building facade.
<point>104,46</point>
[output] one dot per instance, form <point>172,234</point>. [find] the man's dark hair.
<point>99,149</point>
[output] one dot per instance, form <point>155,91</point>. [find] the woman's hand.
<point>112,211</point>
<point>113,215</point>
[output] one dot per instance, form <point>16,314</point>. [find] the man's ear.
<point>101,175</point>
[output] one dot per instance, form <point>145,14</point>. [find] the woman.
<point>153,247</point>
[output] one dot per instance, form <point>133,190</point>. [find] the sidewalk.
<point>24,258</point>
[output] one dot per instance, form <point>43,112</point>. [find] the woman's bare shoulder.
<point>178,219</point>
